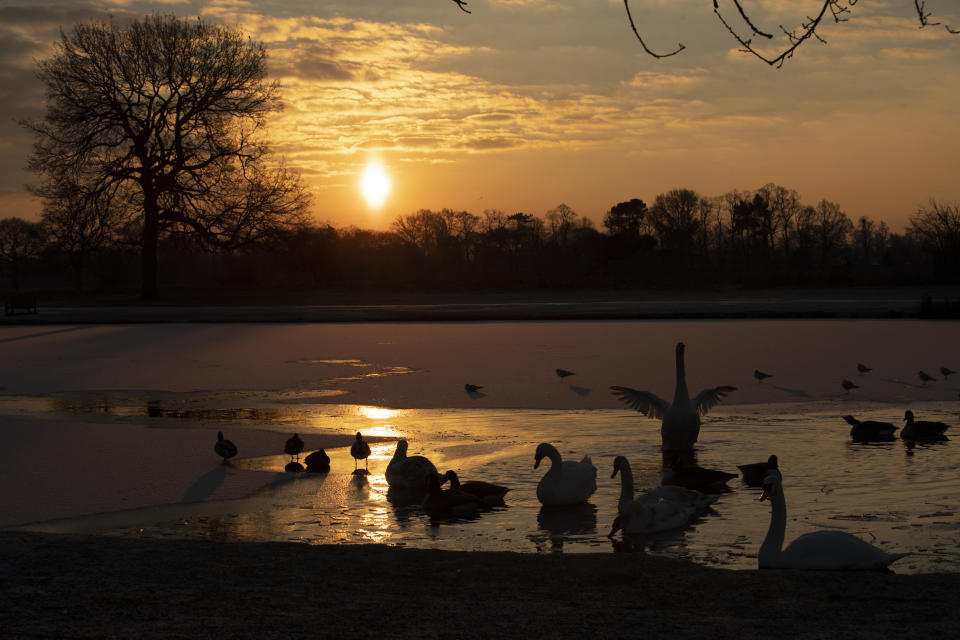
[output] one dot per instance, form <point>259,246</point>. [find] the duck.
<point>922,429</point>
<point>819,550</point>
<point>453,500</point>
<point>566,482</point>
<point>697,501</point>
<point>680,424</point>
<point>360,450</point>
<point>409,472</point>
<point>293,447</point>
<point>754,473</point>
<point>224,448</point>
<point>486,491</point>
<point>867,430</point>
<point>318,461</point>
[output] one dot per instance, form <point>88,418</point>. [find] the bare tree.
<point>164,118</point>
<point>20,240</point>
<point>937,227</point>
<point>736,17</point>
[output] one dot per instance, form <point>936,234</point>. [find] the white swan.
<point>659,509</point>
<point>821,550</point>
<point>681,418</point>
<point>566,482</point>
<point>409,472</point>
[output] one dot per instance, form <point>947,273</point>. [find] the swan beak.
<point>616,468</point>
<point>615,528</point>
<point>764,494</point>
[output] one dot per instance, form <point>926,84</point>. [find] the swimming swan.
<point>566,482</point>
<point>681,418</point>
<point>408,472</point>
<point>659,509</point>
<point>821,550</point>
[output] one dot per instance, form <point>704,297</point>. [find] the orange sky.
<point>525,104</point>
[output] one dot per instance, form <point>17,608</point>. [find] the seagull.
<point>224,448</point>
<point>926,377</point>
<point>472,388</point>
<point>862,368</point>
<point>848,384</point>
<point>945,372</point>
<point>293,447</point>
<point>360,450</point>
<point>563,373</point>
<point>760,375</point>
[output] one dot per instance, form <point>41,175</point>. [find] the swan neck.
<point>556,462</point>
<point>681,394</point>
<point>626,483</point>
<point>773,543</point>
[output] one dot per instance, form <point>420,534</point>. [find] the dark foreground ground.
<point>91,587</point>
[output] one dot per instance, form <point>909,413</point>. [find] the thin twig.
<point>643,44</point>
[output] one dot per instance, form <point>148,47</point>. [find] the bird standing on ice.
<point>293,447</point>
<point>360,450</point>
<point>760,375</point>
<point>848,385</point>
<point>680,424</point>
<point>224,448</point>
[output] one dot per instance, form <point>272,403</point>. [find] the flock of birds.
<point>849,385</point>
<point>683,496</point>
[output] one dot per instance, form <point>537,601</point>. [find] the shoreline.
<point>937,302</point>
<point>83,586</point>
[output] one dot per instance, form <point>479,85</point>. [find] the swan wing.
<point>649,404</point>
<point>709,398</point>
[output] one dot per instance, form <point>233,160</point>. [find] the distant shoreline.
<point>81,586</point>
<point>942,302</point>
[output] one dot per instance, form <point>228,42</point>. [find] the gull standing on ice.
<point>848,385</point>
<point>946,372</point>
<point>862,368</point>
<point>760,375</point>
<point>680,424</point>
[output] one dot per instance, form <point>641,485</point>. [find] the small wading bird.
<point>848,385</point>
<point>563,373</point>
<point>925,377</point>
<point>862,368</point>
<point>760,375</point>
<point>293,447</point>
<point>946,372</point>
<point>224,448</point>
<point>916,430</point>
<point>360,450</point>
<point>867,430</point>
<point>820,550</point>
<point>680,424</point>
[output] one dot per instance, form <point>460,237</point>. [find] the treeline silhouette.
<point>767,237</point>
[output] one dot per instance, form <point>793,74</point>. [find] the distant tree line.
<point>766,237</point>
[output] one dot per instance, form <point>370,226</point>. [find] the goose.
<point>411,472</point>
<point>760,375</point>
<point>318,462</point>
<point>680,424</point>
<point>563,373</point>
<point>486,491</point>
<point>925,377</point>
<point>680,496</point>
<point>566,482</point>
<point>360,450</point>
<point>293,447</point>
<point>819,550</point>
<point>922,429</point>
<point>867,430</point>
<point>754,473</point>
<point>848,385</point>
<point>439,500</point>
<point>862,368</point>
<point>224,448</point>
<point>695,477</point>
<point>946,372</point>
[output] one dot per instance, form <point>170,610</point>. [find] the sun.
<point>375,184</point>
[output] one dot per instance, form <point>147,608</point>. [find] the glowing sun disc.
<point>375,184</point>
